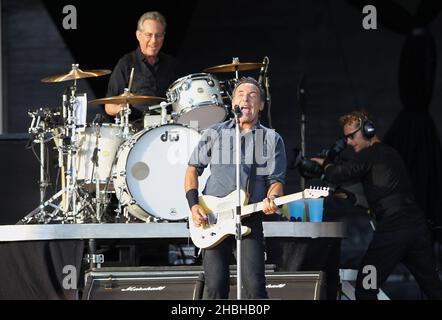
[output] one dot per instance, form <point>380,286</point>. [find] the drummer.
<point>154,71</point>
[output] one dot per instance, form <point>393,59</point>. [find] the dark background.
<point>392,72</point>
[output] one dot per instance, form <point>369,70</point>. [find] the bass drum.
<point>150,170</point>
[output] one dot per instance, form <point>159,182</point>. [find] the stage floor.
<point>157,230</point>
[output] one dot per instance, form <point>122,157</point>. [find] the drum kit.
<point>103,162</point>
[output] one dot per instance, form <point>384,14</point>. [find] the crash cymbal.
<point>233,67</point>
<point>129,98</point>
<point>75,74</point>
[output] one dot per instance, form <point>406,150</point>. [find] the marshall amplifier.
<point>187,283</point>
<point>297,285</point>
<point>141,283</point>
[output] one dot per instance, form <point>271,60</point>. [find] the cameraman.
<point>401,233</point>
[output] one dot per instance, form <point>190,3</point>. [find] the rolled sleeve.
<point>202,154</point>
<point>280,164</point>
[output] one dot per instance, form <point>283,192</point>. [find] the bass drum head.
<point>155,170</point>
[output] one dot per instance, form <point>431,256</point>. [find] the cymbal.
<point>75,74</point>
<point>129,98</point>
<point>233,67</point>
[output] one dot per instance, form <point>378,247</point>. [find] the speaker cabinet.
<point>292,286</point>
<point>187,283</point>
<point>141,283</point>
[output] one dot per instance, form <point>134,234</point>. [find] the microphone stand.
<point>301,104</point>
<point>237,113</point>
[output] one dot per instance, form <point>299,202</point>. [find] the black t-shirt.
<point>148,80</point>
<point>386,184</point>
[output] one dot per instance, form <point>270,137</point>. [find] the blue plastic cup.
<point>315,209</point>
<point>296,210</point>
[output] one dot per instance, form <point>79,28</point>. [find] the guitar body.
<point>213,233</point>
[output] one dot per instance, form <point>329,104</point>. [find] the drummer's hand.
<point>199,217</point>
<point>269,206</point>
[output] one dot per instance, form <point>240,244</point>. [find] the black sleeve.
<point>347,171</point>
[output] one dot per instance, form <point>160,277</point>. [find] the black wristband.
<point>192,197</point>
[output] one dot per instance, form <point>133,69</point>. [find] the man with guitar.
<point>401,233</point>
<point>262,177</point>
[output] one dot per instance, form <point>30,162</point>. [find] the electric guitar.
<point>221,215</point>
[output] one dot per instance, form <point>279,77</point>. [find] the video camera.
<point>313,170</point>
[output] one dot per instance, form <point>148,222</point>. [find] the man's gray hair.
<point>251,81</point>
<point>151,15</point>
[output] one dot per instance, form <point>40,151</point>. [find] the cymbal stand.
<point>125,109</point>
<point>75,202</point>
<point>163,105</point>
<point>96,173</point>
<point>70,141</point>
<point>235,60</point>
<point>38,131</point>
<point>124,118</point>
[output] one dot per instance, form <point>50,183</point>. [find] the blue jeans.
<point>216,263</point>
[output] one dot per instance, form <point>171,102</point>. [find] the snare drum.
<point>109,140</point>
<point>150,170</point>
<point>197,98</point>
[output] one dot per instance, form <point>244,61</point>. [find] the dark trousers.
<point>411,246</point>
<point>216,263</point>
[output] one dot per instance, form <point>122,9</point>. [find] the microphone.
<point>263,70</point>
<point>267,87</point>
<point>237,111</point>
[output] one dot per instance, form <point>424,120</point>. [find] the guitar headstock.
<point>316,192</point>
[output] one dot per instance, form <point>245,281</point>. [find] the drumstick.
<point>131,78</point>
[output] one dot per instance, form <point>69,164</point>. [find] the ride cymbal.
<point>75,74</point>
<point>128,99</point>
<point>235,66</point>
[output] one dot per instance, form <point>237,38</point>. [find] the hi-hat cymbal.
<point>235,66</point>
<point>128,98</point>
<point>75,74</point>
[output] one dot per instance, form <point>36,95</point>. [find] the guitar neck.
<point>251,208</point>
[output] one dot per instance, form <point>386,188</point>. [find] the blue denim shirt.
<point>217,148</point>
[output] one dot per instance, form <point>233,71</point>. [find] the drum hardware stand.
<point>69,147</point>
<point>42,215</point>
<point>120,210</point>
<point>163,105</point>
<point>38,131</point>
<point>124,118</point>
<point>125,109</point>
<point>95,162</point>
<point>235,60</point>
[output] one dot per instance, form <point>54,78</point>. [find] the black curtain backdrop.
<point>34,270</point>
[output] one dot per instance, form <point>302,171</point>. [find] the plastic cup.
<point>315,209</point>
<point>296,210</point>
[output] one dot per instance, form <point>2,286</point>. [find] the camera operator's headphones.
<point>367,127</point>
